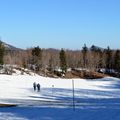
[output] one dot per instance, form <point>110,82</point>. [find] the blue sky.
<point>60,23</point>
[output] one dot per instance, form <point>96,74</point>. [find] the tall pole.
<point>52,89</point>
<point>73,95</point>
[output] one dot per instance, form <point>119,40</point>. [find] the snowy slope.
<point>94,99</point>
<point>14,88</point>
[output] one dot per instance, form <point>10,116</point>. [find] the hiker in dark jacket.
<point>34,86</point>
<point>38,87</point>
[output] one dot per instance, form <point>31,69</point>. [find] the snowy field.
<point>97,99</point>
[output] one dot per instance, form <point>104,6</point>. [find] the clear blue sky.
<point>60,23</point>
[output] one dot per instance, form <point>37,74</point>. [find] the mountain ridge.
<point>9,47</point>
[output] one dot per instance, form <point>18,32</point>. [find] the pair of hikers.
<point>36,86</point>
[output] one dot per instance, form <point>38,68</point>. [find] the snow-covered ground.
<point>21,87</point>
<point>56,96</point>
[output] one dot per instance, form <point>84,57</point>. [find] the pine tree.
<point>117,60</point>
<point>108,58</point>
<point>1,53</point>
<point>63,62</point>
<point>97,56</point>
<point>37,57</point>
<point>84,52</point>
<point>100,63</point>
<point>36,51</point>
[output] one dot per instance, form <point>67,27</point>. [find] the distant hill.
<point>9,47</point>
<point>97,48</point>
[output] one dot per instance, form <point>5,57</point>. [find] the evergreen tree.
<point>108,58</point>
<point>37,57</point>
<point>63,62</point>
<point>84,52</point>
<point>1,53</point>
<point>100,63</point>
<point>97,56</point>
<point>117,60</point>
<point>36,51</point>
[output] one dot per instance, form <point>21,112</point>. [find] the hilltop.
<point>9,47</point>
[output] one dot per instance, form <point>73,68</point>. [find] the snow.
<point>54,101</point>
<point>21,87</point>
<point>10,116</point>
<point>36,113</point>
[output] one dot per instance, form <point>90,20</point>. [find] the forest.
<point>41,60</point>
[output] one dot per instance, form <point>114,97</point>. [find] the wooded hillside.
<point>43,60</point>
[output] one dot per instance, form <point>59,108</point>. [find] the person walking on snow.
<point>34,86</point>
<point>38,87</point>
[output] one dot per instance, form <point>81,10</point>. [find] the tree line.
<point>39,59</point>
